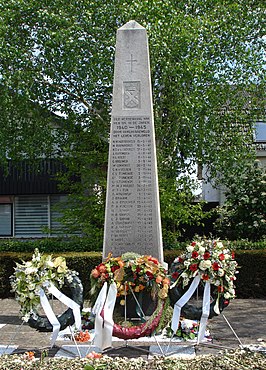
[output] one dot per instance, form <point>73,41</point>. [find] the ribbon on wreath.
<point>205,307</point>
<point>103,310</point>
<point>51,288</point>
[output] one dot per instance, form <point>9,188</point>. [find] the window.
<point>6,219</point>
<point>31,216</point>
<point>260,132</point>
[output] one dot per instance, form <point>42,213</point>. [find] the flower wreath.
<point>132,274</point>
<point>213,262</point>
<point>32,276</point>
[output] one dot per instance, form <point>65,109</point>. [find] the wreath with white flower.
<point>132,274</point>
<point>213,262</point>
<point>32,276</point>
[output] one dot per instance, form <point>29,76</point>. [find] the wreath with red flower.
<point>133,274</point>
<point>213,262</point>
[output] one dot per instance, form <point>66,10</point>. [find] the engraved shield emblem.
<point>131,95</point>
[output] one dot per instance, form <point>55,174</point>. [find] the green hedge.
<point>81,244</point>
<point>250,283</point>
<point>49,245</point>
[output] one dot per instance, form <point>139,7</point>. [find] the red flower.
<point>150,275</point>
<point>193,244</point>
<point>233,255</point>
<point>114,268</point>
<point>205,277</point>
<point>206,255</point>
<point>220,288</point>
<point>138,269</point>
<point>154,260</point>
<point>180,260</point>
<point>193,267</point>
<point>194,254</point>
<point>215,266</point>
<point>101,268</point>
<point>221,257</point>
<point>175,275</point>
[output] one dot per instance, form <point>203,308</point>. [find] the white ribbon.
<point>182,301</point>
<point>205,307</point>
<point>108,316</point>
<point>97,310</point>
<point>205,311</point>
<point>104,323</point>
<point>50,314</point>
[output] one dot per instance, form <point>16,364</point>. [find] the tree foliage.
<point>207,73</point>
<point>243,214</point>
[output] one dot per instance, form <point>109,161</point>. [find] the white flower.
<point>187,324</point>
<point>205,264</point>
<point>201,250</point>
<point>217,282</point>
<point>227,295</point>
<point>221,272</point>
<point>31,270</point>
<point>186,263</point>
<point>26,317</point>
<point>190,248</point>
<point>50,263</point>
<point>219,245</point>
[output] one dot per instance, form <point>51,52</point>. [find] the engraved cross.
<point>131,61</point>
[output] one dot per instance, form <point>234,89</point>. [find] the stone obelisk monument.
<point>132,216</point>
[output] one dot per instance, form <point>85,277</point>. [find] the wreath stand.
<point>205,344</point>
<point>42,349</point>
<point>126,345</point>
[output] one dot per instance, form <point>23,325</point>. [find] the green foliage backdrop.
<point>208,79</point>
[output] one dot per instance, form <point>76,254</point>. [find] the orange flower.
<point>94,355</point>
<point>166,281</point>
<point>159,279</point>
<point>141,287</point>
<point>83,336</point>
<point>95,273</point>
<point>29,355</point>
<point>121,263</point>
<point>102,268</point>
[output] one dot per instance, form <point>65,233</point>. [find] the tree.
<point>243,214</point>
<point>204,56</point>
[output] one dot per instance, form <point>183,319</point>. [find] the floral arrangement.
<point>82,336</point>
<point>187,330</point>
<point>131,272</point>
<point>29,277</point>
<point>213,261</point>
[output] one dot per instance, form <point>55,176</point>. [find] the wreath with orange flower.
<point>133,274</point>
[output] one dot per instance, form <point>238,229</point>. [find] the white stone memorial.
<point>132,216</point>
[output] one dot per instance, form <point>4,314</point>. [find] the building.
<point>216,196</point>
<point>28,198</point>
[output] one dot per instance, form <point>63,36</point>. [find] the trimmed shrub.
<point>250,283</point>
<point>49,245</point>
